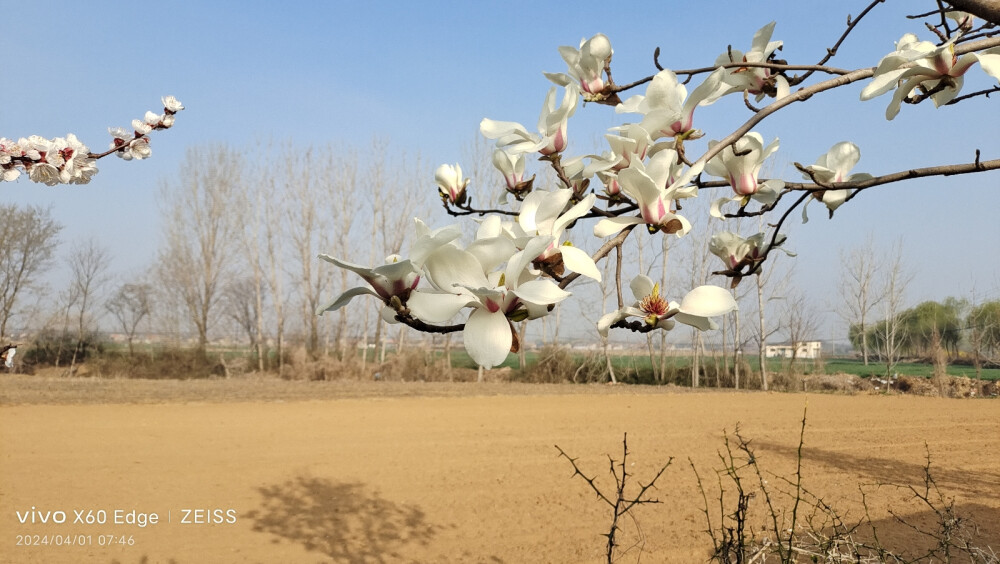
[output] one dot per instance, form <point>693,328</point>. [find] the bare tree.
<point>129,305</point>
<point>199,234</point>
<point>273,234</point>
<point>857,289</point>
<point>892,286</point>
<point>800,321</point>
<point>28,238</point>
<point>88,264</point>
<point>240,297</point>
<point>250,207</point>
<point>346,206</point>
<point>308,176</point>
<point>768,290</point>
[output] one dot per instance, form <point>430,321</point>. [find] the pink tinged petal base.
<point>487,338</point>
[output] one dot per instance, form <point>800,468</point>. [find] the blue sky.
<point>422,75</point>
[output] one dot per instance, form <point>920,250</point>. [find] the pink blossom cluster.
<point>66,160</point>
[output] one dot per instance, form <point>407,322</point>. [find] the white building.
<point>806,349</point>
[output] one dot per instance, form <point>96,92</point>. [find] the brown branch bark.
<point>988,10</point>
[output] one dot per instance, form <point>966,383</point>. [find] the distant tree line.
<point>955,326</point>
<point>237,260</point>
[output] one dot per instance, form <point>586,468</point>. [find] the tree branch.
<point>988,10</point>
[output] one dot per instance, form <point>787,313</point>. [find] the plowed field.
<point>270,471</point>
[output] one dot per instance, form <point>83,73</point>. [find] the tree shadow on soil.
<point>915,522</point>
<point>981,484</point>
<point>343,520</point>
<point>910,534</point>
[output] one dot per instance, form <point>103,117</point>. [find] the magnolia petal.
<point>529,208</point>
<point>519,262</point>
<point>612,225</point>
<point>708,91</point>
<point>842,157</point>
<point>394,271</point>
<point>882,83</point>
<point>631,105</point>
<point>768,191</point>
<point>641,286</point>
<point>685,224</point>
<point>487,338</point>
<point>716,209</point>
<point>948,94</point>
<point>782,88</point>
<point>449,267</point>
<point>558,78</point>
<point>343,299</point>
<point>388,314</point>
<point>434,307</point>
<point>491,252</point>
<point>708,301</point>
<point>637,184</point>
<point>762,39</point>
<point>541,292</point>
<point>989,61</point>
<point>665,324</point>
<point>493,129</point>
<point>698,322</point>
<point>692,171</point>
<point>363,271</point>
<point>574,213</point>
<point>491,226</point>
<point>428,241</point>
<point>835,198</point>
<point>897,97</point>
<point>607,320</point>
<point>580,262</point>
<point>551,205</point>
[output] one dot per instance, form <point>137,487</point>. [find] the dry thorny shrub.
<point>801,526</point>
<point>797,525</point>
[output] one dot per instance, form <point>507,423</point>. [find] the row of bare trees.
<point>242,236</point>
<point>238,254</point>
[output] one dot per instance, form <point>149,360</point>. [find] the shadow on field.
<point>980,484</point>
<point>914,535</point>
<point>343,520</point>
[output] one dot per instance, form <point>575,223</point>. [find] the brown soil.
<point>408,472</point>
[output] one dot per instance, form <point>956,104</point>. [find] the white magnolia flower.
<point>579,173</point>
<point>511,165</point>
<point>696,309</point>
<point>586,64</point>
<point>629,143</point>
<point>654,188</point>
<point>450,183</point>
<point>667,104</point>
<point>922,64</point>
<point>736,252</point>
<point>545,214</point>
<point>462,280</point>
<point>755,80</point>
<point>740,164</point>
<point>832,167</point>
<point>395,279</point>
<point>552,125</point>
